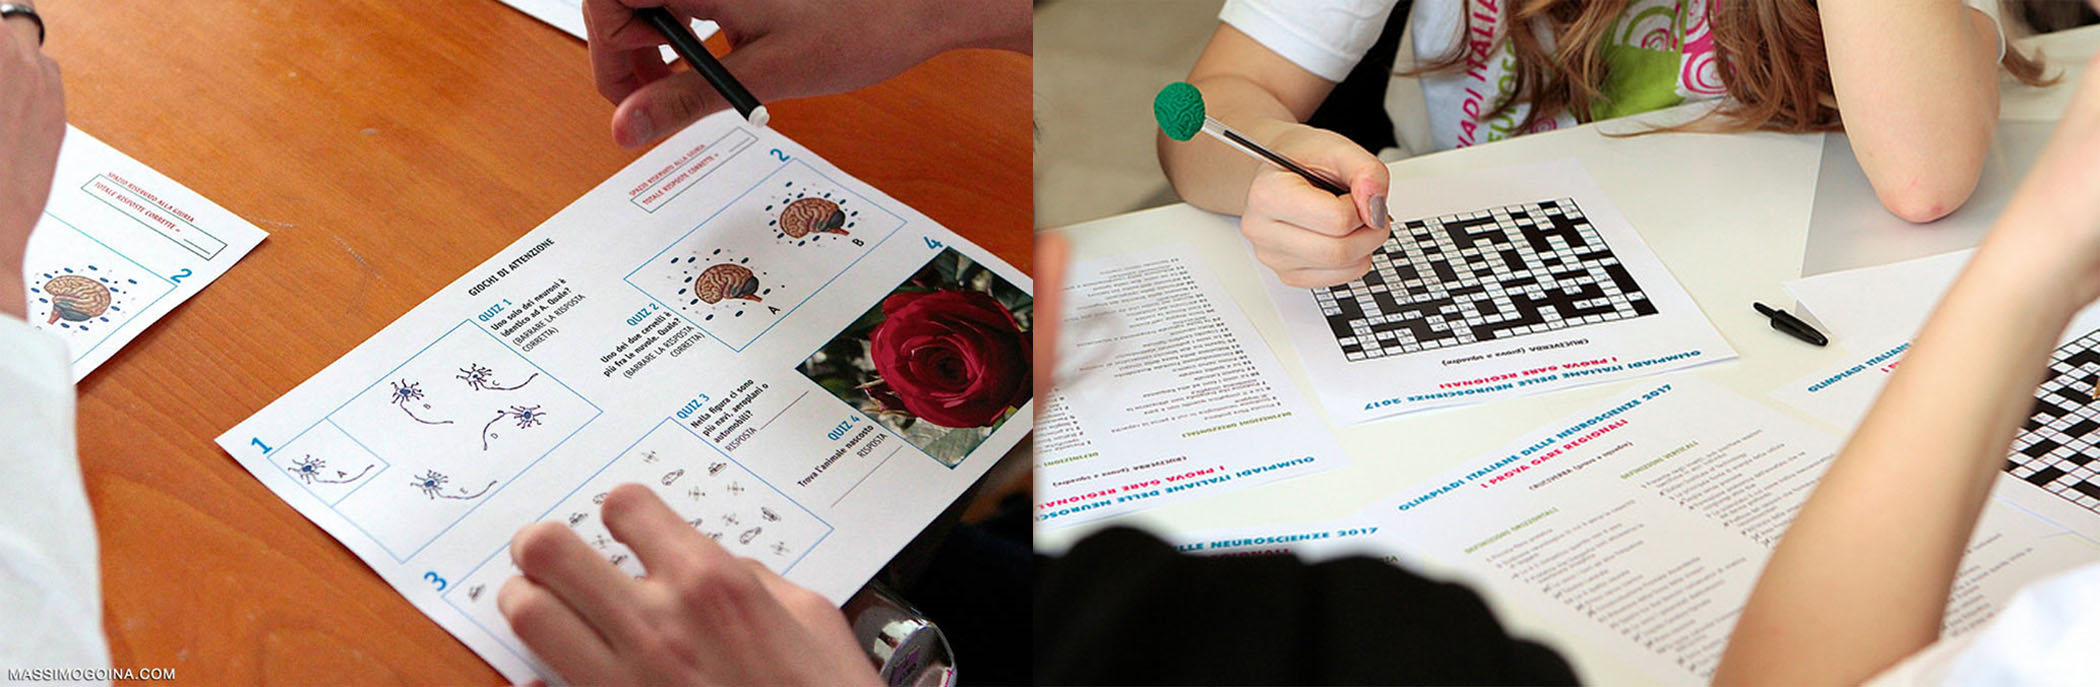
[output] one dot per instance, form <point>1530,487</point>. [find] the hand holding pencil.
<point>1315,210</point>
<point>778,50</point>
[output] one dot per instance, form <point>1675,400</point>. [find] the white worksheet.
<point>1880,302</point>
<point>2052,469</point>
<point>1166,393</point>
<point>804,368</point>
<point>1841,393</point>
<point>1311,542</point>
<point>1495,283</point>
<point>567,15</point>
<point>1641,525</point>
<point>119,246</point>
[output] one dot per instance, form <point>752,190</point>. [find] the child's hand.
<point>700,617</point>
<point>1310,237</point>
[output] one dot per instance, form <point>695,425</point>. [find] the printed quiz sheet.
<point>1172,395</point>
<point>567,15</point>
<point>1641,525</point>
<point>2050,470</point>
<point>807,370</point>
<point>1496,283</point>
<point>119,246</point>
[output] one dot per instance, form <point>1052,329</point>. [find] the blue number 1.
<point>259,444</point>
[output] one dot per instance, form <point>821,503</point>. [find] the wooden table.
<point>387,146</point>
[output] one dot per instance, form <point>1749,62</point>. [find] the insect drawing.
<point>483,379</point>
<point>406,392</point>
<point>525,416</point>
<point>309,470</point>
<point>672,476</point>
<point>768,514</point>
<point>780,549</point>
<point>432,484</point>
<point>749,535</point>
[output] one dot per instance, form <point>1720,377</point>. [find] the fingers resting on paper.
<point>699,616</point>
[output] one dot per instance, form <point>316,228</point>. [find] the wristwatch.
<point>907,649</point>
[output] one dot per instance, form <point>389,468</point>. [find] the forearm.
<point>1861,579</point>
<point>994,24</point>
<point>1916,83</point>
<point>1252,89</point>
<point>1207,172</point>
<point>13,301</point>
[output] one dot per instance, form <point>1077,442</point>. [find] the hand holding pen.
<point>778,49</point>
<point>1316,212</point>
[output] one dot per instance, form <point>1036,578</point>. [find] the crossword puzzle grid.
<point>2055,449</point>
<point>1480,276</point>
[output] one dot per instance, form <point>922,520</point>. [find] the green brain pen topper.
<point>1179,109</point>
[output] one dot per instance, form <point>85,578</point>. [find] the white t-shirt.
<point>50,577</point>
<point>2048,635</point>
<point>1661,53</point>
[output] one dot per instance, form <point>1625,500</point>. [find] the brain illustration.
<point>75,298</point>
<point>726,281</point>
<point>812,215</point>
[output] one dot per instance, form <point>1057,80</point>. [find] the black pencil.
<point>696,54</point>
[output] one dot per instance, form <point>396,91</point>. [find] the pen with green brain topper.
<point>1179,109</point>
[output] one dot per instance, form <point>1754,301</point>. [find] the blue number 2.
<point>179,276</point>
<point>778,155</point>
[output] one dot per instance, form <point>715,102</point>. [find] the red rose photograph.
<point>943,360</point>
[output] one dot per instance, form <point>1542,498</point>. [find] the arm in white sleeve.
<point>50,579</point>
<point>1325,37</point>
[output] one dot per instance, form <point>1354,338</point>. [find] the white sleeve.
<point>1994,10</point>
<point>2045,636</point>
<point>1325,37</point>
<point>50,585</point>
<point>1927,667</point>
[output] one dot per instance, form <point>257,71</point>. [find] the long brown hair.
<point>1770,56</point>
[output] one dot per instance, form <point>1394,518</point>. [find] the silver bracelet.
<point>9,10</point>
